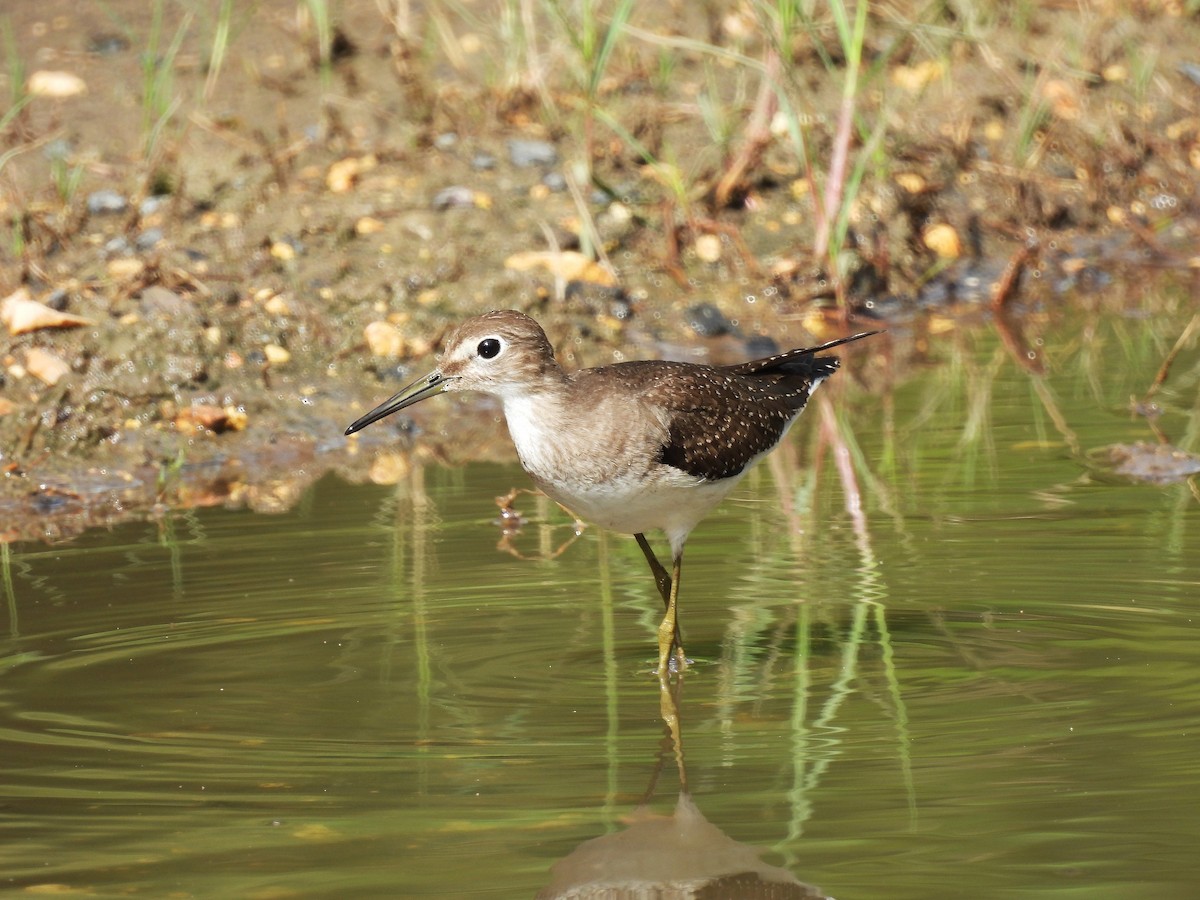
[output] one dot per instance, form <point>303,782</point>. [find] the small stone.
<point>483,161</point>
<point>445,141</point>
<point>286,249</point>
<point>708,248</point>
<point>58,85</point>
<point>455,197</point>
<point>708,321</point>
<point>57,150</point>
<point>152,204</point>
<point>555,182</point>
<point>124,267</point>
<point>107,44</point>
<point>368,225</point>
<point>106,202</point>
<point>943,240</point>
<point>277,305</point>
<point>389,468</point>
<point>384,339</point>
<point>276,355</point>
<point>524,153</point>
<point>1190,71</point>
<point>912,182</point>
<point>148,239</point>
<point>117,246</point>
<point>156,300</point>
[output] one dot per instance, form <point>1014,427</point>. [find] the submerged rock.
<point>1144,462</point>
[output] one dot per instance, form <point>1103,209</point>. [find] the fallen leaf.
<point>47,366</point>
<point>1063,98</point>
<point>21,314</point>
<point>916,78</point>
<point>569,265</point>
<point>343,173</point>
<point>206,417</point>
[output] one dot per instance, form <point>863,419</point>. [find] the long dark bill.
<point>431,384</point>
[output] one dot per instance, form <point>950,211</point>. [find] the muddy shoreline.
<point>241,271</point>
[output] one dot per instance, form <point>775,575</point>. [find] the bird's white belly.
<point>673,502</point>
<point>618,486</point>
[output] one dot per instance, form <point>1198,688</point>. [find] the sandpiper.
<point>631,446</point>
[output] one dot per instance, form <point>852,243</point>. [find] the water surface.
<point>984,683</point>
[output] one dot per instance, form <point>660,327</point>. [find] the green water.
<point>986,685</point>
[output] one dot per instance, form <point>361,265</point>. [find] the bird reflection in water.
<point>681,856</point>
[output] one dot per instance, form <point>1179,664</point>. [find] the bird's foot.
<point>673,663</point>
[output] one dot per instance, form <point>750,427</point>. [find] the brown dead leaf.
<point>343,173</point>
<point>206,417</point>
<point>46,366</point>
<point>21,314</point>
<point>1063,98</point>
<point>569,265</point>
<point>6,406</point>
<point>917,78</point>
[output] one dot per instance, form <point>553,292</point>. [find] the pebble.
<point>761,346</point>
<point>446,140</point>
<point>276,355</point>
<point>156,301</point>
<point>148,239</point>
<point>524,152</point>
<point>483,161</point>
<point>57,149</point>
<point>708,321</point>
<point>1190,71</point>
<point>152,204</point>
<point>456,196</point>
<point>117,246</point>
<point>384,339</point>
<point>106,202</point>
<point>555,182</point>
<point>58,85</point>
<point>708,248</point>
<point>107,44</point>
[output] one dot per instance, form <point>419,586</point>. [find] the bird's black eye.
<point>488,347</point>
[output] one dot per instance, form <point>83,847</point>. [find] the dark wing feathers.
<point>721,418</point>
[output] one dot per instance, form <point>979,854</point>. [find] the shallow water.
<point>984,685</point>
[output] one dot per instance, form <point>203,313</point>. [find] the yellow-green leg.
<point>669,636</point>
<point>668,631</point>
